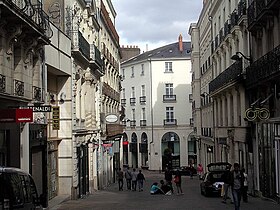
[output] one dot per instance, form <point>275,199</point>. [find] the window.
<point>169,113</point>
<point>143,91</point>
<point>132,92</point>
<point>168,66</point>
<point>169,89</point>
<point>132,71</point>
<point>143,113</point>
<point>142,70</point>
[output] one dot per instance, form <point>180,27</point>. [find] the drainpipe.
<point>152,112</point>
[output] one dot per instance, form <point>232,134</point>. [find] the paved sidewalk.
<point>111,198</point>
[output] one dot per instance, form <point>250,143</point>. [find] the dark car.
<point>212,180</point>
<point>18,190</point>
<point>185,170</point>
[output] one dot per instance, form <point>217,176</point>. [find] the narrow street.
<point>111,198</point>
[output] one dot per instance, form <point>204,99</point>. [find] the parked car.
<point>185,170</point>
<point>18,190</point>
<point>212,181</point>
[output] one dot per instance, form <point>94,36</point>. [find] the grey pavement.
<point>112,199</point>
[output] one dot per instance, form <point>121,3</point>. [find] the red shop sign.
<point>16,115</point>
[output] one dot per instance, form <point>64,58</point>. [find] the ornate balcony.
<point>2,83</point>
<point>170,122</point>
<point>18,88</point>
<point>259,11</point>
<point>263,69</point>
<point>110,92</point>
<point>232,73</point>
<point>143,123</point>
<point>80,46</point>
<point>142,99</point>
<point>169,98</point>
<point>96,62</point>
<point>29,13</point>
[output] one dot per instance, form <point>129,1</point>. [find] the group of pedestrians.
<point>133,178</point>
<point>235,186</point>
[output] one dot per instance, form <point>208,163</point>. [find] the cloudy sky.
<point>154,22</point>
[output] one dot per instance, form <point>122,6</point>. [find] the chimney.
<point>180,43</point>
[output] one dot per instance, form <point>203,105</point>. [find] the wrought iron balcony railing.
<point>2,83</point>
<point>170,122</point>
<point>232,73</point>
<point>123,101</point>
<point>143,122</point>
<point>142,99</point>
<point>132,123</point>
<point>132,101</point>
<point>18,88</point>
<point>169,98</point>
<point>37,93</point>
<point>241,8</point>
<point>226,28</point>
<point>33,10</point>
<point>80,44</point>
<point>96,62</point>
<point>233,19</point>
<point>264,68</point>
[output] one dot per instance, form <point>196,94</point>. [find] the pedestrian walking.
<point>140,180</point>
<point>245,186</point>
<point>120,179</point>
<point>200,171</point>
<point>168,178</point>
<point>237,181</point>
<point>128,178</point>
<point>226,192</point>
<point>178,181</point>
<point>134,179</point>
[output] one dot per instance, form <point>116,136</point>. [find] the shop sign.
<point>16,115</point>
<point>111,118</point>
<point>56,119</point>
<point>47,108</point>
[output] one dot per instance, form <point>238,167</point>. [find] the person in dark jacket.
<point>227,187</point>
<point>236,182</point>
<point>168,178</point>
<point>178,181</point>
<point>140,180</point>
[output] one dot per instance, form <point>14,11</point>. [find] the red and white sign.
<point>16,115</point>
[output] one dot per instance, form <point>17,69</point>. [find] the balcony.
<point>123,101</point>
<point>80,46</point>
<point>96,62</point>
<point>170,122</point>
<point>2,83</point>
<point>18,88</point>
<point>110,92</point>
<point>143,123</point>
<point>132,123</point>
<point>169,98</point>
<point>263,69</point>
<point>232,73</point>
<point>259,11</point>
<point>132,101</point>
<point>142,99</point>
<point>29,15</point>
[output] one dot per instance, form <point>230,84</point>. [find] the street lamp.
<point>237,58</point>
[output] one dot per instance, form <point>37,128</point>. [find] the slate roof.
<point>167,51</point>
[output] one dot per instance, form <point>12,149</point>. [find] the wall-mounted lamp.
<point>52,100</point>
<point>237,58</point>
<point>62,98</point>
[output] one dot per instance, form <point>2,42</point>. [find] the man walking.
<point>237,180</point>
<point>140,180</point>
<point>227,189</point>
<point>168,178</point>
<point>134,179</point>
<point>128,178</point>
<point>120,179</point>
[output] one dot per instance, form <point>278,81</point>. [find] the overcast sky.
<point>154,22</point>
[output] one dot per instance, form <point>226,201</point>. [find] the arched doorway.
<point>134,151</point>
<point>143,149</point>
<point>170,147</point>
<point>125,149</point>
